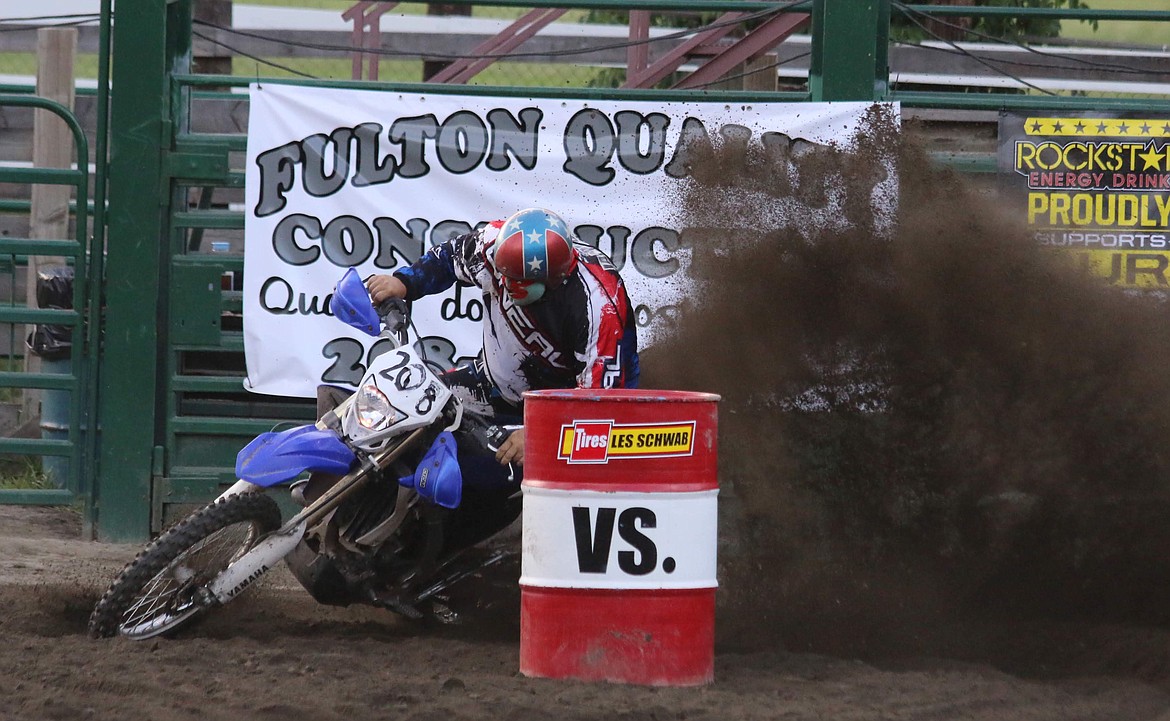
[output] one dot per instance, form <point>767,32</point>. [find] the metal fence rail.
<point>64,392</point>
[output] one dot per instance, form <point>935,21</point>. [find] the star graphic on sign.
<point>534,237</point>
<point>1166,129</point>
<point>1145,128</point>
<point>535,264</point>
<point>1058,127</point>
<point>1123,129</point>
<point>1036,127</point>
<point>1151,157</point>
<point>1101,128</point>
<point>1080,127</point>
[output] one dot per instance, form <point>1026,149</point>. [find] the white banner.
<point>338,178</point>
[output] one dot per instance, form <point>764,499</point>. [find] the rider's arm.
<point>608,345</point>
<point>434,272</point>
<point>613,363</point>
<point>457,260</point>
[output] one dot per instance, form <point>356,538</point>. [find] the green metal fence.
<point>55,397</point>
<point>172,408</point>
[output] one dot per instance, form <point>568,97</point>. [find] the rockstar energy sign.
<point>601,441</point>
<point>1097,188</point>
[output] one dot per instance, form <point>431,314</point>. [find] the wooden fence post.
<point>52,148</point>
<point>760,74</point>
<point>209,58</point>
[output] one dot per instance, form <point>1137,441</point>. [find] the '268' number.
<point>348,354</point>
<point>350,358</point>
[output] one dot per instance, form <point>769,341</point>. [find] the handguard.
<point>351,304</point>
<point>274,457</point>
<point>438,477</point>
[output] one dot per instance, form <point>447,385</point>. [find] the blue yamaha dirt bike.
<point>392,528</point>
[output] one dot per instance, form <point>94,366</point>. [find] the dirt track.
<point>275,655</point>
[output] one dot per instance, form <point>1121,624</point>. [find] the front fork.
<point>262,557</point>
<point>256,562</point>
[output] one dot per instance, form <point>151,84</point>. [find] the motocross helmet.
<point>532,253</point>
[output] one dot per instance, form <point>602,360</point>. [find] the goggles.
<point>522,292</point>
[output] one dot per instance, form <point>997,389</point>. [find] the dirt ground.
<point>274,654</point>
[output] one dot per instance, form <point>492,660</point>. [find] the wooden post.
<point>757,74</point>
<point>209,58</point>
<point>760,74</point>
<point>432,67</point>
<point>52,148</point>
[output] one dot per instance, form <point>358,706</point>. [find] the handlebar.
<point>496,435</point>
<point>395,315</point>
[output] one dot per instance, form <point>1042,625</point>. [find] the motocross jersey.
<point>581,334</point>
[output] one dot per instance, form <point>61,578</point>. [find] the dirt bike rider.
<point>556,314</point>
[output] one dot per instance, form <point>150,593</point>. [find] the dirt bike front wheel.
<point>160,589</point>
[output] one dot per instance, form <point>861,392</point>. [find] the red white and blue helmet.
<point>533,252</point>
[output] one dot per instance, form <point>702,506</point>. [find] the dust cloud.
<point>928,420</point>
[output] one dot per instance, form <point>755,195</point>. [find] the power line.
<point>755,71</point>
<point>1129,69</point>
<point>242,53</point>
<point>909,12</point>
<point>1041,66</point>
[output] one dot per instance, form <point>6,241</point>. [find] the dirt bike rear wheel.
<point>157,591</point>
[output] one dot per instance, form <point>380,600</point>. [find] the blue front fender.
<point>275,457</point>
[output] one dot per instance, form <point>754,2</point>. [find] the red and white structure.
<point>619,536</point>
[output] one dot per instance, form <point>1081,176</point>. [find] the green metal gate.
<point>56,399</point>
<point>172,408</point>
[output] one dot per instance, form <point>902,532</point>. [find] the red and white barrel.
<point>619,536</point>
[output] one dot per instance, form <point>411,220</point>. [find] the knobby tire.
<point>155,593</point>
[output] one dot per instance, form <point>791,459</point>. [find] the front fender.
<point>275,457</point>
